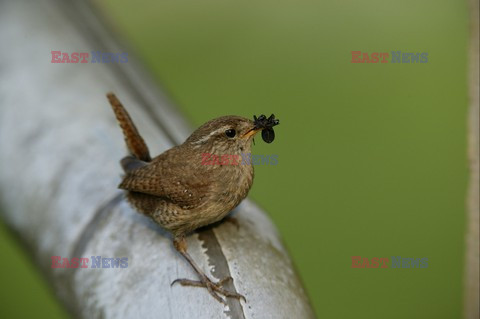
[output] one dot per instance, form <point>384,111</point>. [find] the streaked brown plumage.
<point>179,192</point>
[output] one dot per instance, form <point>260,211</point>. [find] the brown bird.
<point>181,193</point>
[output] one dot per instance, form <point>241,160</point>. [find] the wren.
<point>180,193</point>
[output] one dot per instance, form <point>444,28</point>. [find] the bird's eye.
<point>230,133</point>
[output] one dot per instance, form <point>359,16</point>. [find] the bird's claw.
<point>214,288</point>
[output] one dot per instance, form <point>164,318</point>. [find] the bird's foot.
<point>214,288</point>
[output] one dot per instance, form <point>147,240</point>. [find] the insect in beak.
<point>266,125</point>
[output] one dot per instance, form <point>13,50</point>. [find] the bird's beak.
<point>251,132</point>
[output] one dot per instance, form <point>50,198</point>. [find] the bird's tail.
<point>135,143</point>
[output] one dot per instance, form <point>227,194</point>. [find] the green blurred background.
<point>372,157</point>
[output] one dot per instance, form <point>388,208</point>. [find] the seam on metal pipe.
<point>221,270</point>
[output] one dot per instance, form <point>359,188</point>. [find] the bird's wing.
<point>169,180</point>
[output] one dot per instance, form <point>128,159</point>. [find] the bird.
<point>179,192</point>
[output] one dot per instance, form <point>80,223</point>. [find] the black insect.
<point>266,124</point>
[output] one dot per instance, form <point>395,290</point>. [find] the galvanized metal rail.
<point>59,171</point>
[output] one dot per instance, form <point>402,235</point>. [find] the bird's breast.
<point>235,183</point>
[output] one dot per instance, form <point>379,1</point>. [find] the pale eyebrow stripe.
<point>205,138</point>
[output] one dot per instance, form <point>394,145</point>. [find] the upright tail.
<point>135,143</point>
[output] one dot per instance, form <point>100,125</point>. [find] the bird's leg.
<point>214,288</point>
